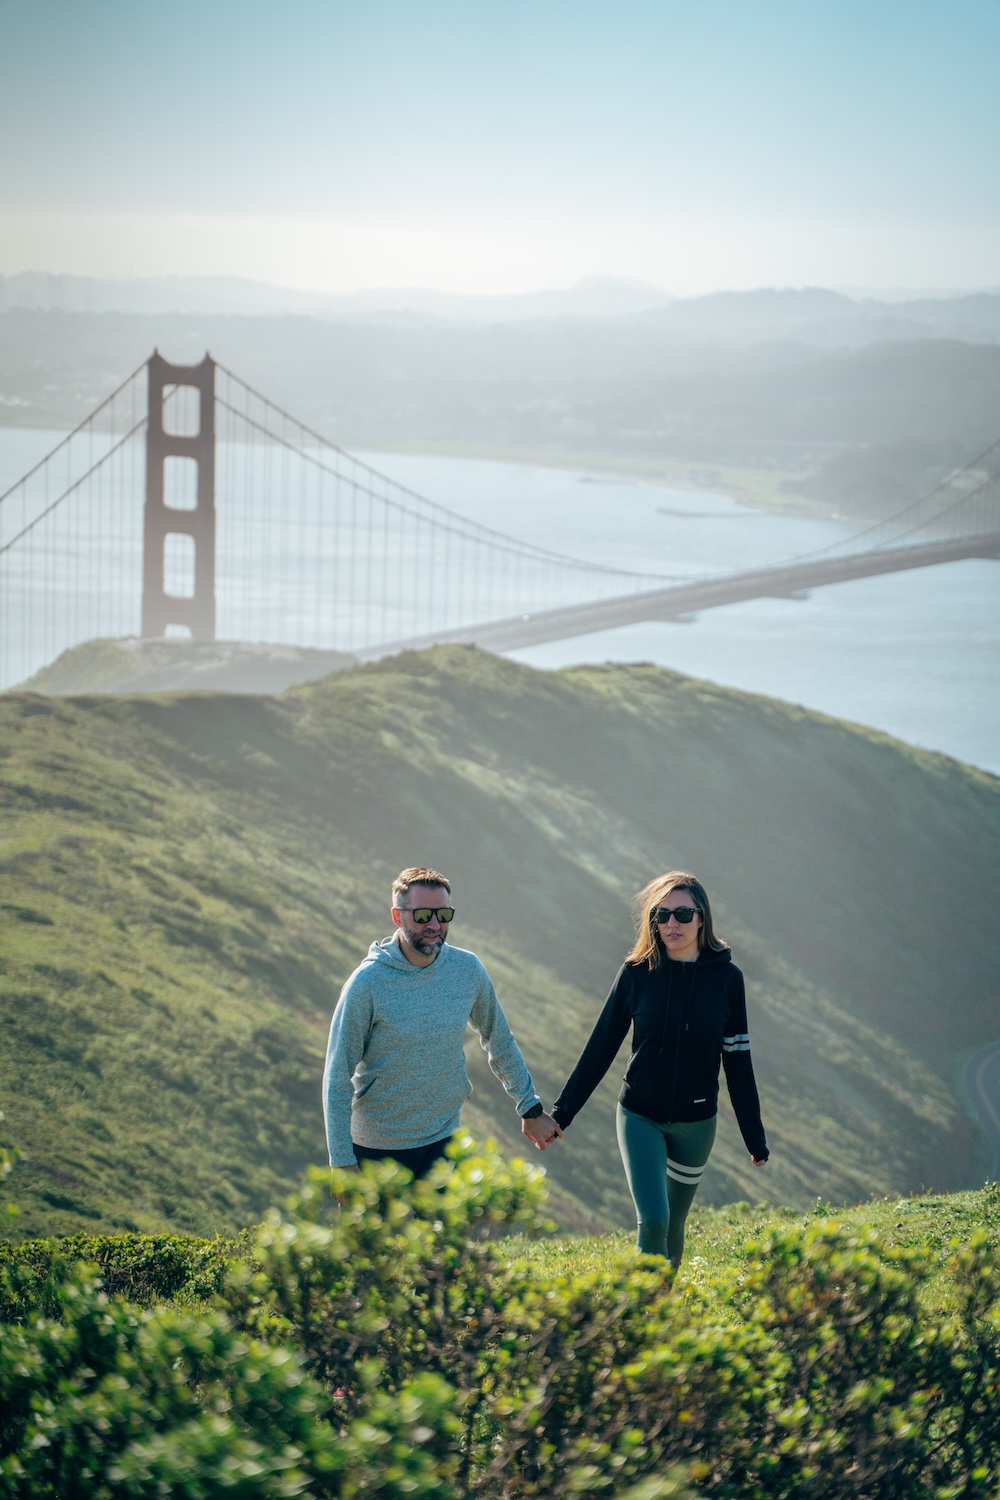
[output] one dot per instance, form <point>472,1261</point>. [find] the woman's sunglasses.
<point>422,914</point>
<point>684,914</point>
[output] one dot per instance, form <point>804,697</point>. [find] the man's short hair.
<point>417,875</point>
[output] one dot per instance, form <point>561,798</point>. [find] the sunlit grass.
<point>719,1241</point>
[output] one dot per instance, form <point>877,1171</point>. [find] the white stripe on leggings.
<point>680,1173</point>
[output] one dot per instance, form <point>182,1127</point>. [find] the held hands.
<point>541,1131</point>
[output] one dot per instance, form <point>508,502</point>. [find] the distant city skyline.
<point>332,147</point>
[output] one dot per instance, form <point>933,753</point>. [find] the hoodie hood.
<point>715,956</point>
<point>388,951</point>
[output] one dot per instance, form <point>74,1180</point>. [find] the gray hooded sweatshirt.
<point>395,1066</point>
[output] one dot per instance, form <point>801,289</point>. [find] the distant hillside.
<point>185,881</point>
<point>593,297</point>
<point>609,392</point>
<point>812,315</point>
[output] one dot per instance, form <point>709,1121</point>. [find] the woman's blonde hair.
<point>647,948</point>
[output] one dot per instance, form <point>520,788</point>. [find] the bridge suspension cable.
<point>964,503</point>
<point>71,538</point>
<point>313,538</point>
<point>313,546</point>
<point>401,497</point>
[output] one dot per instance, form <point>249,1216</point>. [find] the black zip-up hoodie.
<point>685,1017</point>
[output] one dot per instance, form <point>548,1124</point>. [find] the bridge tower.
<point>181,509</point>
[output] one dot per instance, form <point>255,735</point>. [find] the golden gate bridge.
<point>188,504</point>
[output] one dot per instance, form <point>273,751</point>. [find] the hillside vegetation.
<point>185,880</point>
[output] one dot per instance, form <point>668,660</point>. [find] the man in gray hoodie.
<point>395,1079</point>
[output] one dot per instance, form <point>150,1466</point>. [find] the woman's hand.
<point>759,1161</point>
<point>541,1131</point>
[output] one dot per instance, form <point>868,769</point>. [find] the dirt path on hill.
<point>981,1080</point>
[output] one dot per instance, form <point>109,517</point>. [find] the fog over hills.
<point>857,405</point>
<point>862,429</point>
<point>596,297</point>
<point>811,314</point>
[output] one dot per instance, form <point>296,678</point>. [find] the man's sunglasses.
<point>684,914</point>
<point>422,914</point>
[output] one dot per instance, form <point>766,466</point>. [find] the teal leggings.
<point>663,1165</point>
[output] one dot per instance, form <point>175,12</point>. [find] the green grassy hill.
<point>185,881</point>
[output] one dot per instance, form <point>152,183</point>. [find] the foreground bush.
<point>402,1278</point>
<point>388,1346</point>
<point>815,1374</point>
<point>871,1396</point>
<point>106,1402</point>
<point>143,1268</point>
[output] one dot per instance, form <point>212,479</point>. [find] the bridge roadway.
<point>681,601</point>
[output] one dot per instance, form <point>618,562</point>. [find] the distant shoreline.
<point>757,489</point>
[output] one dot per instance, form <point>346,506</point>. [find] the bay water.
<point>914,654</point>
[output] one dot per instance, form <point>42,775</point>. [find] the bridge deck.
<point>678,601</point>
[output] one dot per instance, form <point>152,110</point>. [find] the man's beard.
<point>428,943</point>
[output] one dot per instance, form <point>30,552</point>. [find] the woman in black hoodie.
<point>684,999</point>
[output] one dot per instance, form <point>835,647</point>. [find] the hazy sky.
<point>504,145</point>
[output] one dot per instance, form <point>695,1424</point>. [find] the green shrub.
<point>107,1403</point>
<point>390,1346</point>
<point>614,1376</point>
<point>870,1396</point>
<point>9,1156</point>
<point>975,1371</point>
<point>143,1268</point>
<point>402,1278</point>
<point>835,1383</point>
<point>106,1400</point>
<point>828,1381</point>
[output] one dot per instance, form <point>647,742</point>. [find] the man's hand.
<point>541,1131</point>
<point>335,1195</point>
<point>759,1161</point>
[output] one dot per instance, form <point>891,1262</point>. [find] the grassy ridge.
<point>186,880</point>
<point>718,1238</point>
